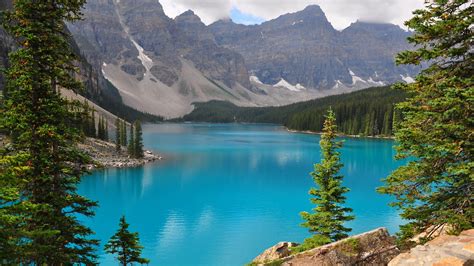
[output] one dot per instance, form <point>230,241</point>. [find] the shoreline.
<point>105,155</point>
<point>340,135</point>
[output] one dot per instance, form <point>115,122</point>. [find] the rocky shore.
<point>376,247</point>
<point>105,155</point>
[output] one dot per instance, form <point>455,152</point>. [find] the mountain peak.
<point>313,9</point>
<point>374,28</point>
<point>189,16</point>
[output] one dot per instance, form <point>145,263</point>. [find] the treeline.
<point>367,112</point>
<point>83,119</point>
<point>134,141</point>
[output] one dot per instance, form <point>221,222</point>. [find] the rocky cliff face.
<point>119,30</point>
<point>160,65</point>
<point>97,88</point>
<point>304,48</point>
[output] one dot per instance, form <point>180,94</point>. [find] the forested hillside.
<point>367,112</point>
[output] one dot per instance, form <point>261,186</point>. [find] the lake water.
<point>225,193</point>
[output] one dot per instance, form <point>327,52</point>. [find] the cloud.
<point>339,12</point>
<point>208,10</point>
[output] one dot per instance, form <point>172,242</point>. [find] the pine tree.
<point>93,131</point>
<point>118,135</point>
<point>327,221</point>
<point>436,187</point>
<point>131,144</point>
<point>42,169</point>
<point>100,129</point>
<point>123,132</point>
<point>138,141</point>
<point>126,245</point>
<point>106,133</point>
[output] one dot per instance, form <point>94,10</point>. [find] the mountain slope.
<point>303,48</point>
<point>158,64</point>
<point>97,89</point>
<point>162,66</point>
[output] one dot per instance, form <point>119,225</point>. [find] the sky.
<point>341,13</point>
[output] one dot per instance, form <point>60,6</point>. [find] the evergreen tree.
<point>131,143</point>
<point>42,169</point>
<point>100,129</point>
<point>327,221</point>
<point>118,134</point>
<point>123,132</point>
<point>138,141</point>
<point>106,133</point>
<point>93,132</point>
<point>436,187</point>
<point>126,245</point>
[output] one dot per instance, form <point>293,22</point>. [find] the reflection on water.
<point>227,192</point>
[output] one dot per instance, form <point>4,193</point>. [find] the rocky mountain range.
<point>132,51</point>
<point>303,48</point>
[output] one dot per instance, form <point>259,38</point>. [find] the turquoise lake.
<point>224,193</point>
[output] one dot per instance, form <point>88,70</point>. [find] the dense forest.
<point>367,112</point>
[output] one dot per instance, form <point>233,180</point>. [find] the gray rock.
<point>304,48</point>
<point>280,250</point>
<point>376,247</point>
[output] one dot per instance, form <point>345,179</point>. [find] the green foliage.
<point>329,214</point>
<point>310,243</point>
<point>131,142</point>
<point>103,129</point>
<point>117,134</point>
<point>126,245</point>
<point>436,187</point>
<point>123,133</point>
<point>366,112</point>
<point>135,144</point>
<point>138,140</point>
<point>40,170</point>
<point>350,246</point>
<point>270,263</point>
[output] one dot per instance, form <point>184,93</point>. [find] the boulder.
<point>444,250</point>
<point>278,251</point>
<point>376,247</point>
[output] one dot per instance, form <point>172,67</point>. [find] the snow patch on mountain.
<point>375,83</point>
<point>407,79</point>
<point>289,86</point>
<point>297,22</point>
<point>255,79</point>
<point>146,61</point>
<point>338,85</point>
<point>356,78</point>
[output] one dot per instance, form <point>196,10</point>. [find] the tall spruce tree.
<point>93,130</point>
<point>436,187</point>
<point>42,169</point>
<point>138,141</point>
<point>123,131</point>
<point>126,245</point>
<point>118,135</point>
<point>100,129</point>
<point>327,220</point>
<point>106,128</point>
<point>131,143</point>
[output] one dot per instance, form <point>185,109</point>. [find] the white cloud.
<point>339,12</point>
<point>208,10</point>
